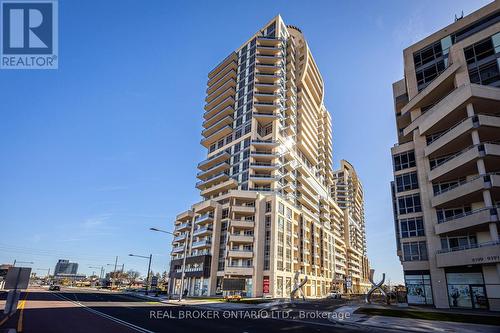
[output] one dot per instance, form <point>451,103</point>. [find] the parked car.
<point>335,295</point>
<point>54,287</point>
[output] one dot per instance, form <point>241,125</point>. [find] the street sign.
<point>154,281</point>
<point>233,284</point>
<point>17,278</point>
<point>348,282</point>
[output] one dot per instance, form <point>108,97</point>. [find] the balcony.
<point>213,160</point>
<point>213,128</point>
<point>205,218</point>
<point>213,110</point>
<point>228,111</point>
<point>238,270</point>
<point>304,200</point>
<point>267,68</point>
<point>220,80</point>
<point>266,87</point>
<point>264,166</point>
<point>264,117</point>
<point>261,189</point>
<point>268,59</point>
<point>464,162</point>
<point>242,224</point>
<point>264,143</point>
<point>224,186</point>
<point>473,220</point>
<point>450,109</point>
<point>217,178</point>
<point>268,41</point>
<point>240,253</point>
<point>237,238</point>
<point>229,60</point>
<point>180,238</point>
<point>201,244</point>
<point>218,168</point>
<point>484,253</point>
<point>261,77</point>
<point>178,249</point>
<point>261,154</point>
<point>203,231</point>
<point>219,91</point>
<point>262,178</point>
<point>182,226</point>
<point>466,192</point>
<point>268,49</point>
<point>222,95</point>
<point>240,209</point>
<point>220,134</point>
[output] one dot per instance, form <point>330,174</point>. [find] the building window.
<point>414,251</point>
<point>412,227</point>
<point>409,204</point>
<point>458,242</point>
<point>281,208</point>
<point>406,182</point>
<point>444,215</point>
<point>418,286</point>
<point>466,290</point>
<point>279,286</point>
<point>404,160</point>
<point>483,62</point>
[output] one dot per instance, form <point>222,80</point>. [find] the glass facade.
<point>418,286</point>
<point>466,290</point>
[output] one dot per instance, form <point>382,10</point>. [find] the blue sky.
<point>98,151</point>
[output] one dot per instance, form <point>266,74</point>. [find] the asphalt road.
<point>75,311</point>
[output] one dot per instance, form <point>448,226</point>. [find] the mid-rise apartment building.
<point>446,187</point>
<point>266,210</point>
<point>64,267</point>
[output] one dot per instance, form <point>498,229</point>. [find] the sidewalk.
<point>204,303</point>
<point>406,324</point>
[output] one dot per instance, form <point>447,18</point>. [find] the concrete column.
<point>487,198</point>
<point>475,137</point>
<point>470,110</point>
<point>481,168</point>
<point>493,232</point>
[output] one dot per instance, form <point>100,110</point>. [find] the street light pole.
<point>170,286</point>
<point>183,271</point>
<point>22,262</point>
<point>149,270</point>
<point>149,267</point>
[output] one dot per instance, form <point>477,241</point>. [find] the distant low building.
<point>65,268</point>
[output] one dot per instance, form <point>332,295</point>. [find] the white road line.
<point>124,323</point>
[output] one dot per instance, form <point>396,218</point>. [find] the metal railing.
<point>464,214</point>
<point>469,246</point>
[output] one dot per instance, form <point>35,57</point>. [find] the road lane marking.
<point>4,320</point>
<point>119,321</point>
<point>21,313</point>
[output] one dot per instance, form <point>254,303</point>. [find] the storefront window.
<point>418,288</point>
<point>466,290</point>
<point>204,289</point>
<point>279,286</point>
<point>249,287</point>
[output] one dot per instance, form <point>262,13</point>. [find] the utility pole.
<point>149,270</point>
<point>114,273</point>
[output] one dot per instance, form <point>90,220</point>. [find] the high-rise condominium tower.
<point>446,185</point>
<point>347,191</point>
<point>266,211</point>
